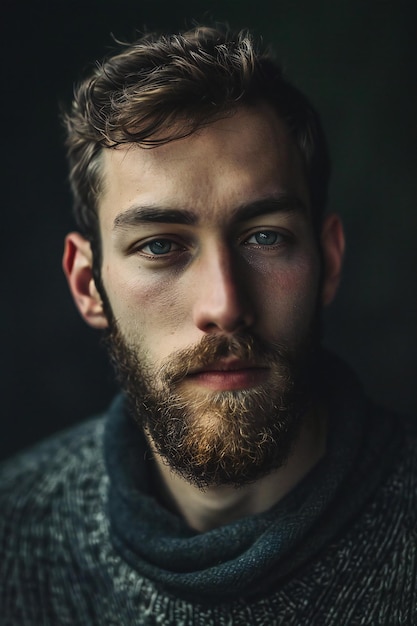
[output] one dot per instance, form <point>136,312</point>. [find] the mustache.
<point>211,348</point>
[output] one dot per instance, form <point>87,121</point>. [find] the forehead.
<point>236,160</point>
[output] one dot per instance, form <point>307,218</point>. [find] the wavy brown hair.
<point>164,87</point>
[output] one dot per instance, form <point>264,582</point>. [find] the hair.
<point>164,87</point>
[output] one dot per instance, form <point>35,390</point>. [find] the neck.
<point>210,508</point>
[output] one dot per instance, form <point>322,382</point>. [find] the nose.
<point>222,302</point>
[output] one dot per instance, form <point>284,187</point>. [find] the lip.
<point>229,375</point>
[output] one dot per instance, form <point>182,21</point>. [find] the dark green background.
<point>356,61</point>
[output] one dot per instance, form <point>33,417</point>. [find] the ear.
<point>333,247</point>
<point>77,263</point>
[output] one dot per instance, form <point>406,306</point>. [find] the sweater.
<point>84,541</point>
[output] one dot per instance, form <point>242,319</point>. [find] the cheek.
<point>148,306</point>
<point>289,296</point>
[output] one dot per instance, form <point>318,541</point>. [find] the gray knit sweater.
<point>84,541</point>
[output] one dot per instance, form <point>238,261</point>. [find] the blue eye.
<point>159,247</point>
<point>265,238</point>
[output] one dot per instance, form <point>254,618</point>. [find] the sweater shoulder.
<point>402,470</point>
<point>37,476</point>
<point>399,469</point>
<point>52,501</point>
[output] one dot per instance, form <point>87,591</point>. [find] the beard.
<point>218,438</point>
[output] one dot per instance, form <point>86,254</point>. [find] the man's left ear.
<point>333,247</point>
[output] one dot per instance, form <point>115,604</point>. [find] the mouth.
<point>229,375</point>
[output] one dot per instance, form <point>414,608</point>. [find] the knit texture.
<point>84,541</point>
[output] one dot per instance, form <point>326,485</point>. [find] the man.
<point>242,477</point>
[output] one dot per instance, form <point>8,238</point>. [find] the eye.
<point>160,247</point>
<point>265,238</point>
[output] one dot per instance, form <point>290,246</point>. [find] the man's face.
<point>211,268</point>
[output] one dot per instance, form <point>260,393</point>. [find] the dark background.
<point>357,62</point>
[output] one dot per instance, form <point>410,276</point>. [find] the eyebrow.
<point>275,204</point>
<point>143,214</point>
<point>137,215</point>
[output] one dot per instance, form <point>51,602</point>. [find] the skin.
<point>232,250</point>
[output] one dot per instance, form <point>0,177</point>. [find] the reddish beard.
<point>218,438</point>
